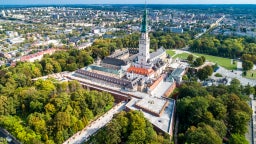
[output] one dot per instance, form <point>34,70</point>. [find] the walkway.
<point>253,124</point>
<point>236,74</point>
<point>92,128</point>
<point>227,73</point>
<point>6,135</point>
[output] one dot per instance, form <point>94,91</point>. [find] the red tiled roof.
<point>28,57</point>
<point>140,71</point>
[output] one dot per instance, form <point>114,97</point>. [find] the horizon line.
<point>133,4</point>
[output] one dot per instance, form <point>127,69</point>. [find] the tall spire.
<point>144,24</point>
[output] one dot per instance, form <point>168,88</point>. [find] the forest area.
<point>47,111</point>
<point>131,128</point>
<point>230,47</point>
<point>50,112</point>
<point>215,114</point>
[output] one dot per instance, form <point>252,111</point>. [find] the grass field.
<point>170,52</point>
<point>251,74</point>
<point>224,62</point>
<point>182,56</point>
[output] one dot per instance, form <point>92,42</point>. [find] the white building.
<point>11,34</point>
<point>15,40</point>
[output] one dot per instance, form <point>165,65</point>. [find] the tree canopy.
<point>129,127</point>
<point>208,115</point>
<point>49,112</point>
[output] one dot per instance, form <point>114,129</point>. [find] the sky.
<point>19,2</point>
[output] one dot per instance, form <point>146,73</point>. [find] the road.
<point>92,128</point>
<point>213,26</point>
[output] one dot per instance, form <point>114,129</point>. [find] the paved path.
<point>236,74</point>
<point>253,102</point>
<point>93,127</point>
<point>249,135</point>
<point>227,73</point>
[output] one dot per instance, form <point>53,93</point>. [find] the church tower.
<point>144,44</point>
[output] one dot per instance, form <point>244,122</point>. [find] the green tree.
<point>198,62</point>
<point>3,141</point>
<point>48,68</point>
<point>62,120</point>
<point>237,139</point>
<point>239,120</point>
<point>202,74</point>
<point>190,58</point>
<point>37,123</point>
<point>203,134</point>
<point>137,136</point>
<point>247,65</point>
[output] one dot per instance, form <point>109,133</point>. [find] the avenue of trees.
<point>230,47</point>
<point>50,112</point>
<point>157,39</point>
<point>131,128</point>
<point>168,40</point>
<point>213,115</point>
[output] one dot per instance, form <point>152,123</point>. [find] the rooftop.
<point>177,72</point>
<point>28,57</point>
<point>114,61</point>
<point>151,104</point>
<point>164,122</point>
<point>157,53</point>
<point>156,83</point>
<point>121,82</point>
<point>104,69</point>
<point>119,53</point>
<point>160,90</point>
<point>140,71</point>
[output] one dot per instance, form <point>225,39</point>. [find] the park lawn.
<point>170,52</point>
<point>181,56</point>
<point>249,74</point>
<point>224,62</point>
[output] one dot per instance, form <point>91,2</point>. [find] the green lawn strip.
<point>170,52</point>
<point>249,74</point>
<point>182,56</point>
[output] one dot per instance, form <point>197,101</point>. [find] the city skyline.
<point>18,2</point>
